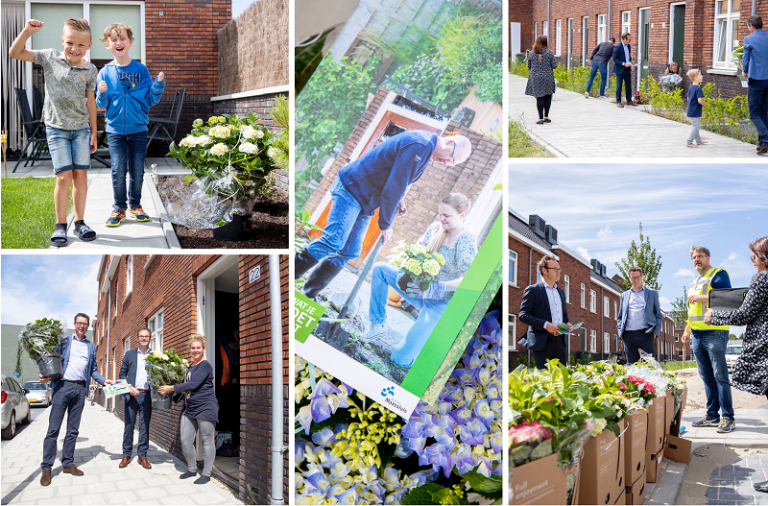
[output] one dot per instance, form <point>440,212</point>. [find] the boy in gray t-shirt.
<point>69,114</point>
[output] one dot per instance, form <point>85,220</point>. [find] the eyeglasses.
<point>558,269</point>
<point>635,278</point>
<point>78,324</point>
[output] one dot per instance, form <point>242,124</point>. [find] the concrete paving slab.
<point>578,123</point>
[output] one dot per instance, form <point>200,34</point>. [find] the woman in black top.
<point>201,410</point>
<point>541,80</point>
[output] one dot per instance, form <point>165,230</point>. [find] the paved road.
<point>20,428</point>
<point>588,128</point>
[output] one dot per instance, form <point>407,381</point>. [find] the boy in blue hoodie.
<point>126,91</point>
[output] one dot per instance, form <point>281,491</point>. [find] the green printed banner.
<point>306,314</point>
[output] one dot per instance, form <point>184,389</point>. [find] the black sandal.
<point>59,237</point>
<point>85,233</point>
<point>540,122</point>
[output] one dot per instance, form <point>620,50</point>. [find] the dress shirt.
<point>626,53</point>
<point>555,304</point>
<point>78,360</point>
<point>636,310</point>
<point>141,370</point>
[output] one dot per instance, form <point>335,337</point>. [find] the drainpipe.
<point>602,317</point>
<point>549,21</point>
<point>608,27</point>
<point>109,324</point>
<point>530,265</point>
<point>754,7</point>
<point>277,379</point>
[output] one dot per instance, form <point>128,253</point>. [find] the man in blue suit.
<point>138,401</point>
<point>78,357</point>
<point>622,67</point>
<point>640,318</point>
<point>755,69</point>
<point>377,180</point>
<point>543,309</point>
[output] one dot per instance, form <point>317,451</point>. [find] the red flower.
<point>623,386</point>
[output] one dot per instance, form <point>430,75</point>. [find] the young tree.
<point>18,368</point>
<point>643,256</point>
<point>680,310</point>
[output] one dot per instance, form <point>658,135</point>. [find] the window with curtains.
<point>606,307</point>
<point>606,342</point>
<point>601,29</point>
<point>593,341</point>
<point>726,32</point>
<point>626,25</point>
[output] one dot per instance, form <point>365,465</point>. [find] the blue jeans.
<point>709,348</point>
<point>626,79</point>
<point>141,404</point>
<point>757,94</point>
<point>67,398</point>
<point>598,65</point>
<point>343,235</point>
<point>70,149</point>
<point>430,311</point>
<point>127,153</point>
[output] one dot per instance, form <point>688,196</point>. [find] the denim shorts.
<point>70,149</point>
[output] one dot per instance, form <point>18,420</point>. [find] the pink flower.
<point>529,432</point>
<point>623,386</point>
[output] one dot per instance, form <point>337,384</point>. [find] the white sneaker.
<point>377,331</point>
<point>586,94</point>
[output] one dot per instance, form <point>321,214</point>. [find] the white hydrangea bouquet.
<point>417,264</point>
<point>230,158</point>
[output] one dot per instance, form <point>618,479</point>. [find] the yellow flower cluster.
<point>216,119</point>
<point>376,424</point>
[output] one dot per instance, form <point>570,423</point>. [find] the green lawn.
<point>520,143</point>
<point>676,366</point>
<point>28,215</point>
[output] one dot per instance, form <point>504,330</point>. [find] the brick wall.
<point>259,105</point>
<point>181,41</point>
<point>437,181</point>
<point>256,381</point>
<point>699,32</point>
<point>521,11</point>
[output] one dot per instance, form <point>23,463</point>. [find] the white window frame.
<point>127,345</point>
<point>567,288</point>
<point>128,277</point>
<point>513,258</point>
<point>535,30</point>
<point>606,307</point>
<point>601,28</point>
<point>615,310</point>
<point>545,29</point>
<point>156,341</point>
<point>593,341</point>
<point>728,18</point>
<point>117,291</point>
<point>677,338</point>
<point>593,301</point>
<point>512,332</point>
<point>606,342</point>
<point>626,23</point>
<point>558,37</point>
<point>584,296</point>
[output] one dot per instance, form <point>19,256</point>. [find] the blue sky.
<point>240,6</point>
<point>52,286</point>
<point>596,209</point>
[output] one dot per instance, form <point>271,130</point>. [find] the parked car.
<point>15,407</point>
<point>38,393</point>
<point>732,352</point>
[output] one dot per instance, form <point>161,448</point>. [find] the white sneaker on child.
<point>377,331</point>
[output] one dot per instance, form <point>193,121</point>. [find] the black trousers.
<point>635,340</point>
<point>555,348</point>
<point>542,105</point>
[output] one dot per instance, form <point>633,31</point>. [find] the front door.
<point>585,41</point>
<point>390,125</point>
<point>678,34</point>
<point>570,43</point>
<point>643,45</point>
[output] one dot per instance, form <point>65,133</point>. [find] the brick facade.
<point>437,181</point>
<point>699,32</point>
<point>169,283</point>
<point>579,273</point>
<point>521,11</point>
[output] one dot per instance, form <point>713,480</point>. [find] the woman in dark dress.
<point>201,410</point>
<point>541,80</point>
<point>751,371</point>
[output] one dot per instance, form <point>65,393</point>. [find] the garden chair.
<point>34,130</point>
<point>162,129</point>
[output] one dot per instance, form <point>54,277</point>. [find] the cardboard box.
<point>656,416</point>
<point>678,449</point>
<point>622,499</point>
<point>634,442</point>
<point>653,466</point>
<point>636,492</point>
<point>222,437</point>
<point>540,482</point>
<point>602,469</point>
<point>669,410</point>
<point>674,430</point>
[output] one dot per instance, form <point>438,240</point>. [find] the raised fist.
<point>103,86</point>
<point>34,26</point>
<point>161,77</point>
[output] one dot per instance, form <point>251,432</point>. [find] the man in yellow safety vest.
<point>709,342</point>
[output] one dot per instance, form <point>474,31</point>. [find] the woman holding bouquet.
<point>201,410</point>
<point>448,237</point>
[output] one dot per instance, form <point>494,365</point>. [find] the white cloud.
<point>584,253</point>
<point>685,274</point>
<point>728,262</point>
<point>666,305</point>
<point>605,233</point>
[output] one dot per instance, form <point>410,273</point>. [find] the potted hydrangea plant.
<point>164,368</point>
<point>42,341</point>
<point>417,264</point>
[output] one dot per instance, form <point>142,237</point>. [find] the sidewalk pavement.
<point>723,467</point>
<point>98,452</point>
<point>592,128</point>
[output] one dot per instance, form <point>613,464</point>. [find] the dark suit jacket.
<point>535,312</point>
<point>91,369</point>
<point>128,370</point>
<point>619,59</point>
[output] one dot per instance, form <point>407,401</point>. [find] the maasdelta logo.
<point>389,394</point>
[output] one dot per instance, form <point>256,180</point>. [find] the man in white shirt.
<point>138,401</point>
<point>78,357</point>
<point>640,318</point>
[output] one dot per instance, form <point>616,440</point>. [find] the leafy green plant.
<point>425,77</point>
<point>519,68</point>
<point>520,143</point>
<point>279,152</point>
<point>41,337</point>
